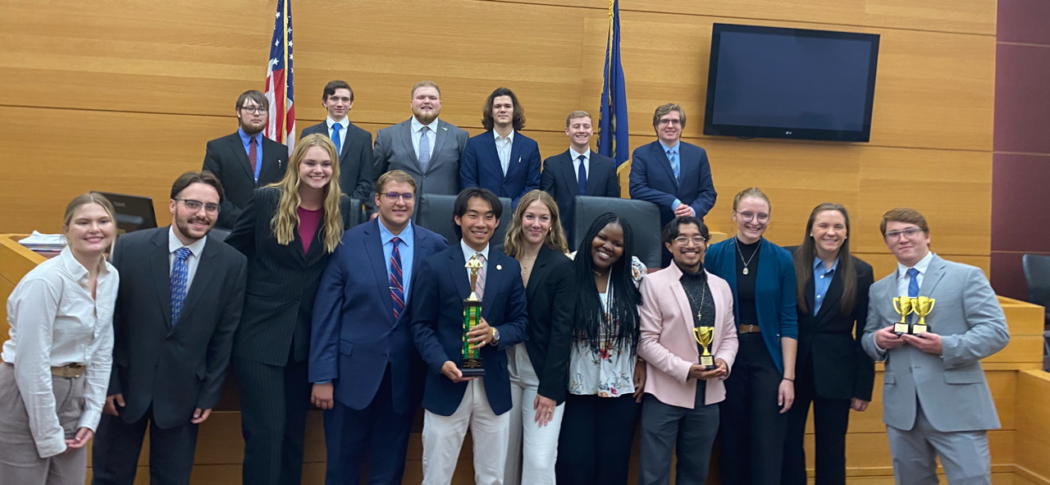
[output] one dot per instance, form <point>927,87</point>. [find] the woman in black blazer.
<point>832,369</point>
<point>539,367</point>
<point>288,231</point>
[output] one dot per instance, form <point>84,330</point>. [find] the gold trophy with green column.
<point>470,365</point>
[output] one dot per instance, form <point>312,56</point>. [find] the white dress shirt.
<point>902,274</point>
<point>576,163</point>
<point>191,263</point>
<point>503,148</point>
<point>55,322</point>
<point>431,135</point>
<point>468,252</point>
<point>342,131</point>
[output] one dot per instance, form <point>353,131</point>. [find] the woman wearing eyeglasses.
<point>288,231</point>
<point>760,390</point>
<point>833,371</point>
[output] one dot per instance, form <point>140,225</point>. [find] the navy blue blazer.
<point>559,180</point>
<point>437,322</point>
<point>653,180</point>
<point>774,290</point>
<point>480,166</point>
<point>354,333</point>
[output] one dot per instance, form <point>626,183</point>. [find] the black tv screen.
<point>768,82</point>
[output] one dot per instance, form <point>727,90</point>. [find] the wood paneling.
<point>1033,426</point>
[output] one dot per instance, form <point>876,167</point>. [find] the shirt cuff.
<point>52,446</point>
<point>675,204</point>
<point>89,419</point>
<point>327,381</point>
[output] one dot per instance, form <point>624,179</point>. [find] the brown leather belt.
<point>71,371</point>
<point>749,329</point>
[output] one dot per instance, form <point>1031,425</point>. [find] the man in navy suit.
<point>452,402</point>
<point>578,171</point>
<point>670,173</point>
<point>501,159</point>
<point>366,372</point>
<point>356,159</point>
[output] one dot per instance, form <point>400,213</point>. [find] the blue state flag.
<point>613,138</point>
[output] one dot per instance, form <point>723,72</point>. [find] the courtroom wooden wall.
<point>121,96</point>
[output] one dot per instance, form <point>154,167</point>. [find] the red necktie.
<point>253,154</point>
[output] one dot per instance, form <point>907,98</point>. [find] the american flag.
<point>279,86</point>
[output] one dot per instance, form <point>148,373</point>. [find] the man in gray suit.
<point>936,397</point>
<point>425,147</point>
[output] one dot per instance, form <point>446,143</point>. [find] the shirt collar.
<point>245,137</point>
<point>672,148</point>
<point>818,266</point>
<point>416,125</point>
<point>407,234</point>
<point>576,154</point>
<point>468,251</point>
<point>76,270</point>
<point>922,265</point>
<point>345,123</point>
<point>510,138</point>
<point>174,243</point>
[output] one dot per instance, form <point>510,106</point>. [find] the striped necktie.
<point>397,289</point>
<point>480,289</point>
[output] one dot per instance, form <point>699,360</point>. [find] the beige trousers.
<point>19,462</point>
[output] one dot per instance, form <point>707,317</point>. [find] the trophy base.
<point>472,368</point>
<point>917,329</point>
<point>901,328</point>
<point>707,362</point>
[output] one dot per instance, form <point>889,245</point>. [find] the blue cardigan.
<point>774,296</point>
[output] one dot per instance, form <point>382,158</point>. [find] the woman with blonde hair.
<point>57,361</point>
<point>538,368</point>
<point>288,231</point>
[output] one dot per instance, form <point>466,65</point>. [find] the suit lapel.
<point>457,268</point>
<point>238,150</point>
<point>162,273</point>
<point>565,162</point>
<point>934,273</point>
<point>406,138</point>
<point>274,156</point>
<point>515,153</point>
<point>347,139</point>
<point>490,141</point>
<point>493,278</point>
<point>374,250</point>
<point>206,268</point>
<point>596,173</point>
<point>539,270</point>
<point>439,140</point>
<point>658,152</point>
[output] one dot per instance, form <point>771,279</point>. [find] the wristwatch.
<point>495,336</point>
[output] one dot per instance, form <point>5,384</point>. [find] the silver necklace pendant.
<point>745,269</point>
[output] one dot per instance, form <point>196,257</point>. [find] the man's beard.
<point>252,130</point>
<point>426,118</point>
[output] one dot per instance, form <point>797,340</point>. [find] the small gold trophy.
<point>922,306</point>
<point>471,365</point>
<point>903,306</point>
<point>704,336</point>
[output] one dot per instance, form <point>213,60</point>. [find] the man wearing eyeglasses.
<point>672,174</point>
<point>179,302</point>
<point>936,400</point>
<point>246,159</point>
<point>367,374</point>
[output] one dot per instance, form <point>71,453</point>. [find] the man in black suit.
<point>179,303</point>
<point>578,171</point>
<point>354,145</point>
<point>246,159</point>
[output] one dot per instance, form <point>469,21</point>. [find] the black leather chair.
<point>1037,275</point>
<point>644,218</point>
<point>357,213</point>
<point>434,212</point>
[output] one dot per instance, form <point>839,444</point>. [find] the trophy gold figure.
<point>471,364</point>
<point>704,336</point>
<point>903,306</point>
<point>922,306</point>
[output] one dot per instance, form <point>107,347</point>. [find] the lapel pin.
<point>499,267</point>
<point>444,128</point>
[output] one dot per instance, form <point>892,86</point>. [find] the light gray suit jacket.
<point>951,388</point>
<point>393,151</point>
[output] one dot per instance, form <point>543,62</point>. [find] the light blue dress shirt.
<point>676,148</point>
<point>245,139</point>
<point>821,281</point>
<point>405,248</point>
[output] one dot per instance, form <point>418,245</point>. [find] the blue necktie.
<point>335,138</point>
<point>673,157</point>
<point>397,289</point>
<point>424,149</point>
<point>913,283</point>
<point>581,175</point>
<point>179,274</point>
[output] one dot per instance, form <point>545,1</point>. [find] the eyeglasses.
<point>253,109</point>
<point>670,122</point>
<point>749,216</point>
<point>393,196</point>
<point>908,233</point>
<point>698,240</point>
<point>195,205</point>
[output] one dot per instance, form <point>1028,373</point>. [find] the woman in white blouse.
<point>605,384</point>
<point>57,361</point>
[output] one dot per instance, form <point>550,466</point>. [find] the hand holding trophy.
<point>704,336</point>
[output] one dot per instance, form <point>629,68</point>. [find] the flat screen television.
<point>769,82</point>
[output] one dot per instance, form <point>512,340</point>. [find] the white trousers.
<point>540,450</point>
<point>443,439</point>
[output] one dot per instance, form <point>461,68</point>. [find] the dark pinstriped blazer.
<point>282,283</point>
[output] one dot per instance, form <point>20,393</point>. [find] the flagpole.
<point>288,71</point>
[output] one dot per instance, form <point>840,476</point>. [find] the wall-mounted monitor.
<point>769,82</point>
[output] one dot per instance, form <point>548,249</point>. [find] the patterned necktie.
<point>424,148</point>
<point>397,289</point>
<point>673,157</point>
<point>581,175</point>
<point>480,289</point>
<point>335,138</point>
<point>179,274</point>
<point>913,283</point>
<point>253,155</point>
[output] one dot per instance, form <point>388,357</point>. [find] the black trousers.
<point>597,433</point>
<point>689,433</point>
<point>274,401</point>
<point>752,427</point>
<point>830,422</point>
<point>377,431</point>
<point>115,454</point>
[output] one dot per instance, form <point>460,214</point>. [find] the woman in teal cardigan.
<point>761,388</point>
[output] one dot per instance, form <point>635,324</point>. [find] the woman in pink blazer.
<point>677,409</point>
